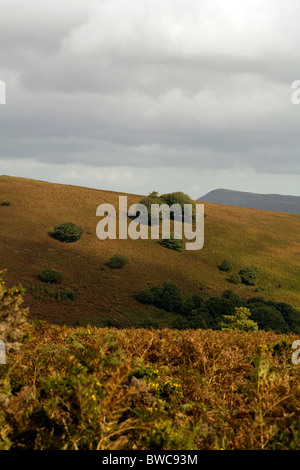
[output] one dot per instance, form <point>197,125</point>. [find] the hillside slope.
<point>105,296</point>
<point>267,202</point>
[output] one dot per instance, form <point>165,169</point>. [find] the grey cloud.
<point>194,84</point>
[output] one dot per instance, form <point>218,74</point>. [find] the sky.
<point>152,95</point>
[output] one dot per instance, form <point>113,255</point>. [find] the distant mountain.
<point>267,202</point>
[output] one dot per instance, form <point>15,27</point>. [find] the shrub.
<point>269,318</point>
<point>239,320</point>
<point>5,203</point>
<point>145,296</point>
<point>67,232</point>
<point>225,265</point>
<point>172,243</point>
<point>157,294</point>
<point>216,307</point>
<point>180,198</point>
<point>117,261</point>
<point>50,275</point>
<point>169,199</point>
<point>249,275</point>
<point>190,304</point>
<point>171,297</point>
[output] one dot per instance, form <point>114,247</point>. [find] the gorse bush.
<point>117,261</point>
<point>67,232</point>
<point>50,275</point>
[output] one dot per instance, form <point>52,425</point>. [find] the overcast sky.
<point>142,95</point>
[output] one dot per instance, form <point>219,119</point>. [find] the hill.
<point>267,202</point>
<point>92,293</point>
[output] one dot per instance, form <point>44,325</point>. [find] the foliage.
<point>145,296</point>
<point>5,203</point>
<point>41,292</point>
<point>209,312</point>
<point>169,199</point>
<point>67,232</point>
<point>191,303</point>
<point>168,296</point>
<point>118,261</point>
<point>249,275</point>
<point>239,320</point>
<point>225,265</point>
<point>171,298</point>
<point>50,275</point>
<point>95,389</point>
<point>172,243</point>
<point>12,316</point>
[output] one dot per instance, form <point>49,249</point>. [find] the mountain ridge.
<point>268,202</point>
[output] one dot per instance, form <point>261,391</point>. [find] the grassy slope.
<point>245,236</point>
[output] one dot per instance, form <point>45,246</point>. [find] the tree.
<point>190,304</point>
<point>169,199</point>
<point>180,198</point>
<point>145,296</point>
<point>171,297</point>
<point>239,320</point>
<point>269,318</point>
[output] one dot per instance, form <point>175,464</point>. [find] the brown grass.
<point>72,388</point>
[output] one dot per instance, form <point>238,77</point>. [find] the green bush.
<point>169,199</point>
<point>240,320</point>
<point>157,294</point>
<point>249,275</point>
<point>172,243</point>
<point>171,298</point>
<point>268,318</point>
<point>67,232</point>
<point>225,265</point>
<point>50,275</point>
<point>5,203</point>
<point>168,297</point>
<point>190,304</point>
<point>117,261</point>
<point>180,198</point>
<point>145,296</point>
